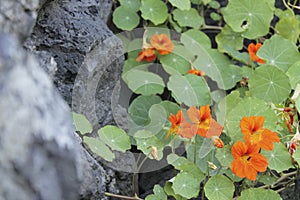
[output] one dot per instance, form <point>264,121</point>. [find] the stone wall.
<point>56,56</point>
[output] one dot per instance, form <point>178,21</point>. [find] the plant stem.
<point>121,196</point>
<point>195,151</point>
<point>211,27</point>
<point>285,4</point>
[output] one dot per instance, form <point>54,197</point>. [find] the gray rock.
<point>89,57</point>
<point>39,155</point>
<point>18,17</point>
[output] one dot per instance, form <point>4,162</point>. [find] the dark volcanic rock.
<point>39,156</point>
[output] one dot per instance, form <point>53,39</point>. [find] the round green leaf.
<point>191,90</point>
<point>138,109</point>
<point>249,107</point>
<point>269,84</point>
<point>227,37</point>
<point>218,188</point>
<point>158,117</point>
<point>99,148</point>
<point>189,18</point>
<point>145,83</point>
<point>195,40</point>
<point>154,10</point>
<point>258,193</point>
<point>214,4</point>
<point>176,62</point>
<point>170,107</point>
<point>288,27</point>
<point>294,75</point>
<point>131,4</point>
<point>145,140</point>
<point>181,4</point>
<point>186,185</point>
<point>169,190</point>
<point>226,105</point>
<point>252,18</point>
<point>224,156</point>
<point>125,18</point>
<point>279,52</point>
<point>81,123</point>
<point>115,138</point>
<point>279,158</point>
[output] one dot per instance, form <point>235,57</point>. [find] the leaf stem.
<point>285,4</point>
<point>211,27</point>
<point>122,196</point>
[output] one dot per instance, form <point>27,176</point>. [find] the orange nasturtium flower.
<point>196,72</point>
<point>255,134</point>
<point>200,118</point>
<point>176,122</point>
<point>147,54</point>
<point>162,43</point>
<point>252,49</point>
<point>247,161</point>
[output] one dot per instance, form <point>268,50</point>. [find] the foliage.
<point>243,82</point>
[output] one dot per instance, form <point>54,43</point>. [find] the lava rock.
<point>39,155</point>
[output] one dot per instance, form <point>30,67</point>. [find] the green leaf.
<point>227,37</point>
<point>170,107</point>
<point>205,2</point>
<point>267,179</point>
<point>159,194</point>
<point>195,40</point>
<point>99,148</point>
<point>288,27</point>
<point>177,62</point>
<point>280,52</point>
<point>217,95</point>
<point>215,65</point>
<point>145,83</point>
<point>81,123</point>
<point>139,108</point>
<point>252,18</point>
<point>183,164</point>
<point>218,188</point>
<point>224,156</point>
<point>259,193</point>
<point>154,10</point>
<point>191,90</point>
<point>249,107</point>
<point>269,84</point>
<point>215,16</point>
<point>279,158</point>
<point>169,190</point>
<point>158,117</point>
<point>174,24</point>
<point>214,4</point>
<point>188,18</point>
<point>115,138</point>
<point>242,57</point>
<point>145,140</point>
<point>181,4</point>
<point>125,18</point>
<point>296,156</point>
<point>226,105</point>
<point>294,75</point>
<point>186,185</point>
<point>134,5</point>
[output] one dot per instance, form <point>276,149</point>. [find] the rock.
<point>89,60</point>
<point>39,155</point>
<point>89,57</point>
<point>18,17</point>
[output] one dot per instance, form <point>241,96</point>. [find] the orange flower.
<point>176,122</point>
<point>196,72</point>
<point>255,134</point>
<point>147,54</point>
<point>247,161</point>
<point>200,118</point>
<point>162,43</point>
<point>252,49</point>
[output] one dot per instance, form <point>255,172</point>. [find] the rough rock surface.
<point>39,155</point>
<point>88,61</point>
<point>89,57</point>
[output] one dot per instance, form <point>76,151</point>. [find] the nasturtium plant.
<point>215,95</point>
